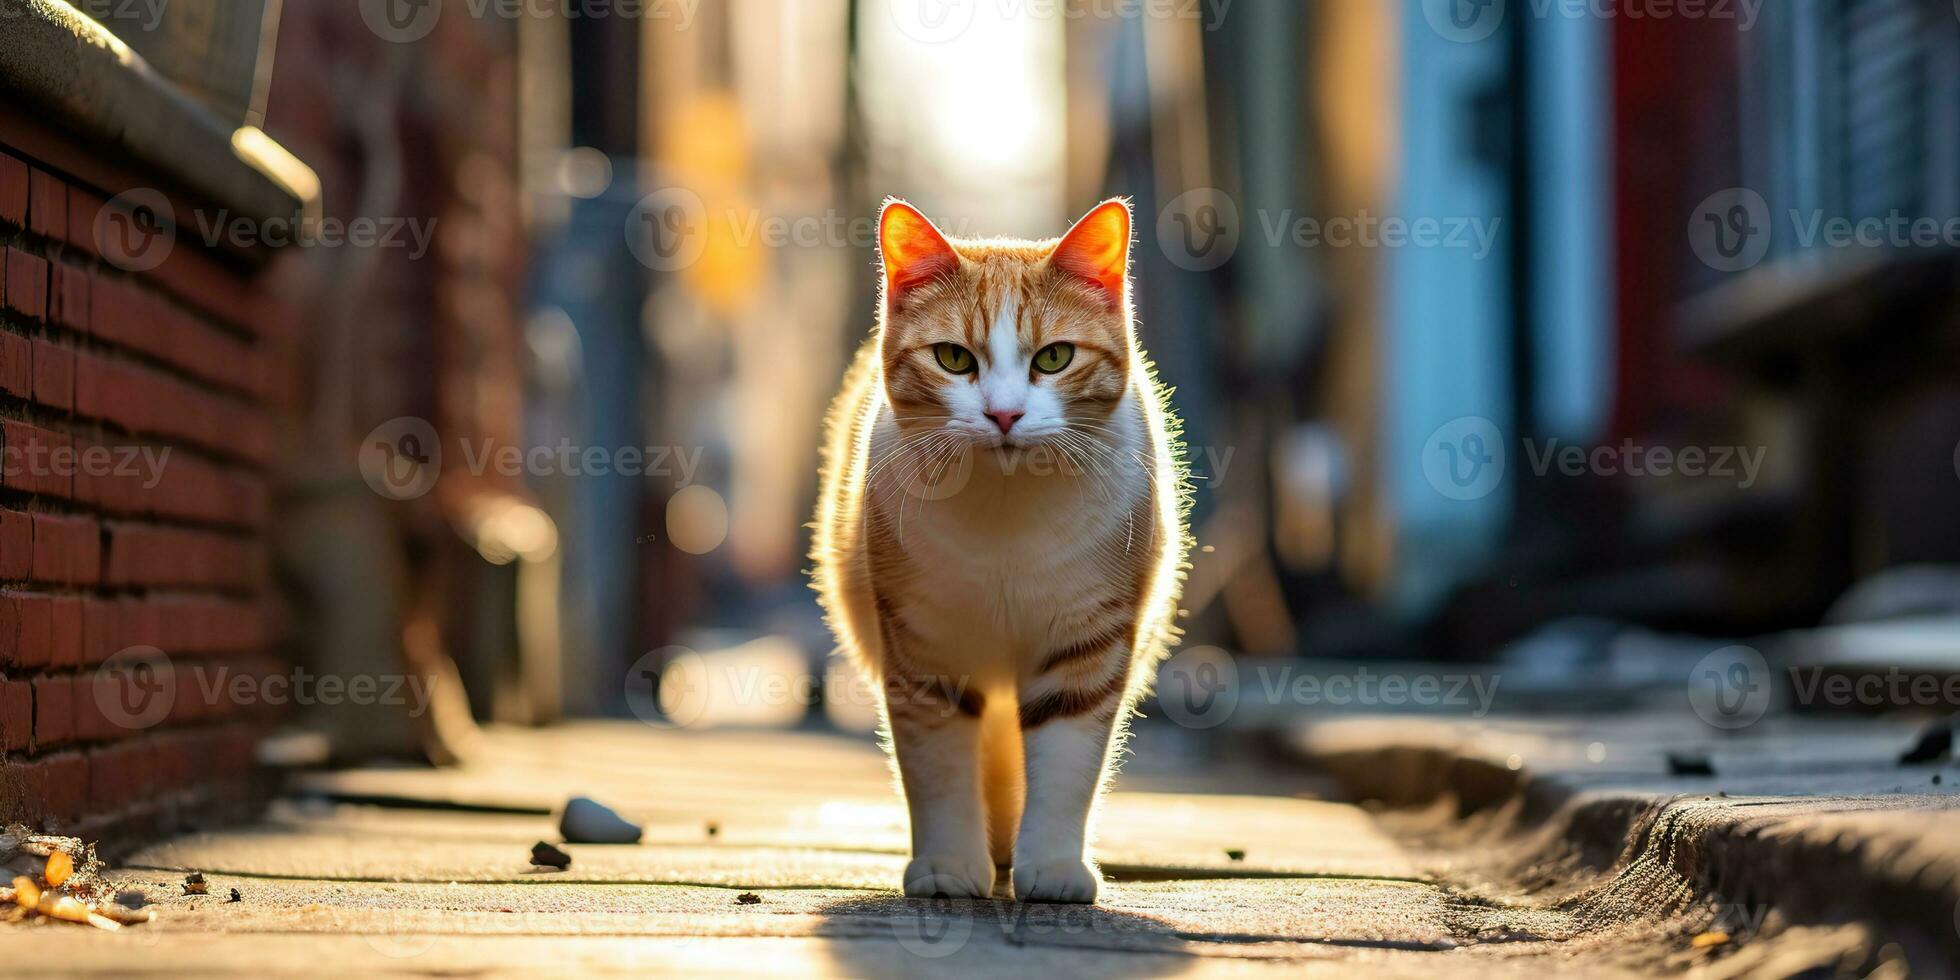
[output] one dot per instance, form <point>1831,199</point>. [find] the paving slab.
<point>780,853</point>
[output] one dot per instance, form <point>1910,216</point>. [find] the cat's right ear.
<point>914,251</point>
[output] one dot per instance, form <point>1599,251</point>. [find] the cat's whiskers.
<point>906,443</point>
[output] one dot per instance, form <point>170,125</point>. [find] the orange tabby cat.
<point>1000,541</point>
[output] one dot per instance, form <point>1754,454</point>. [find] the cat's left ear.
<point>914,252</point>
<point>1097,249</point>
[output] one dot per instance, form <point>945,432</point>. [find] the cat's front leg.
<point>935,729</point>
<point>1066,724</point>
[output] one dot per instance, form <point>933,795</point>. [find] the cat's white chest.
<point>993,573</point>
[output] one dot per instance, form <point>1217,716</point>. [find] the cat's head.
<point>1006,343</point>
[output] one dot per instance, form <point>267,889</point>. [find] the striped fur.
<point>1011,591</point>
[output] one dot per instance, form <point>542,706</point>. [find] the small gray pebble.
<point>587,821</point>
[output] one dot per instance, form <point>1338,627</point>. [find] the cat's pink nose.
<point>1005,420</point>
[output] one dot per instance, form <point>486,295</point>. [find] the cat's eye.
<point>1053,358</point>
<point>954,358</point>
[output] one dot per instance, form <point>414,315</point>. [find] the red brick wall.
<point>129,585</point>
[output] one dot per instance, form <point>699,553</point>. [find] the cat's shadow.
<point>889,935</point>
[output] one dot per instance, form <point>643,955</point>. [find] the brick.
<point>17,447</point>
<point>16,365</point>
<point>117,776</point>
<point>36,792</point>
<point>121,703</point>
<point>93,690</point>
<point>65,785</point>
<point>36,460</point>
<point>16,545</point>
<point>84,206</point>
<point>139,624</point>
<point>16,715</point>
<point>68,298</point>
<point>47,205</point>
<point>66,632</point>
<point>54,712</point>
<point>54,375</point>
<point>27,284</point>
<point>51,552</point>
<point>196,277</point>
<point>101,630</point>
<point>85,555</point>
<point>89,471</point>
<point>10,633</point>
<point>155,556</point>
<point>111,303</point>
<point>91,385</point>
<point>33,615</point>
<point>13,190</point>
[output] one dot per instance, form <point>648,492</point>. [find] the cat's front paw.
<point>1063,879</point>
<point>946,876</point>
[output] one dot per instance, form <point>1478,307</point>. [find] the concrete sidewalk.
<point>779,853</point>
<point>1792,836</point>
